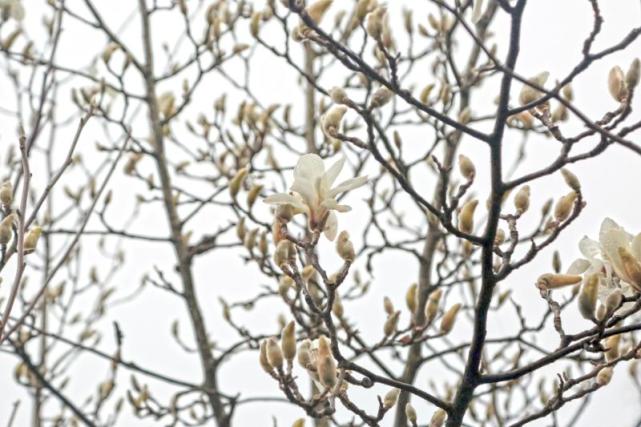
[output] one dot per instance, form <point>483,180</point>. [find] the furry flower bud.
<point>381,97</point>
<point>438,418</point>
<point>6,193</point>
<point>31,240</point>
<point>563,207</point>
<point>331,120</point>
<point>631,268</point>
<point>391,324</point>
<point>237,181</point>
<point>431,306</point>
<point>264,361</point>
<point>604,376</point>
<point>522,199</point>
<point>616,84</point>
<point>410,413</point>
<point>338,95</point>
<point>410,297</point>
<point>282,253</point>
<point>274,353</point>
<point>449,318</point>
<point>374,24</point>
<point>288,341</point>
<point>571,180</point>
<point>466,216</point>
<point>467,168</point>
<point>390,398</point>
<point>304,355</point>
<point>588,296</point>
<point>553,281</point>
<point>344,247</point>
<point>632,76</point>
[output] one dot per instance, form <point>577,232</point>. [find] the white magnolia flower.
<point>605,257</point>
<point>312,192</point>
<point>13,8</point>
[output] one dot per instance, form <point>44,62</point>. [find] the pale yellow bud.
<point>324,346</point>
<point>522,199</point>
<point>281,254</point>
<point>338,95</point>
<point>391,324</point>
<point>274,354</point>
<point>390,398</point>
<point>410,297</point>
<point>317,10</point>
<point>588,296</point>
<point>381,96</point>
<point>449,318</point>
<point>563,207</point>
<point>388,306</point>
<point>253,194</point>
<point>240,229</point>
<point>254,24</point>
<point>331,120</point>
<point>304,355</point>
<point>465,116</point>
<point>410,413</point>
<point>31,240</point>
<point>556,261</point>
<point>425,93</point>
<point>466,216</point>
<point>529,94</point>
<point>288,341</point>
<point>467,168</point>
<point>264,361</point>
<point>344,247</point>
<point>604,376</point>
<point>632,76</point>
<point>553,281</point>
<point>439,416</point>
<point>6,230</point>
<point>105,388</point>
<point>374,24</point>
<point>616,84</point>
<point>237,181</point>
<point>613,301</point>
<point>631,268</point>
<point>6,193</point>
<point>327,371</point>
<point>337,307</point>
<point>571,180</point>
<point>567,92</point>
<point>431,306</point>
<point>108,52</point>
<point>612,347</point>
<point>308,272</point>
<point>299,423</point>
<point>499,238</point>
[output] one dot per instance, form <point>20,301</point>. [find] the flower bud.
<point>6,228</point>
<point>563,207</point>
<point>612,347</point>
<point>465,116</point>
<point>236,182</point>
<point>253,194</point>
<point>632,76</point>
<point>264,361</point>
<point>308,272</point>
<point>571,180</point>
<point>466,216</point>
<point>299,423</point>
<point>6,193</point>
<point>424,97</point>
<point>553,281</point>
<point>410,413</point>
<point>374,24</point>
<point>529,94</point>
<point>331,120</point>
<point>604,376</point>
<point>556,262</point>
<point>344,247</point>
<point>390,398</point>
<point>304,355</point>
<point>616,84</point>
<point>317,10</point>
<point>613,301</point>
<point>438,418</point>
<point>431,306</point>
<point>326,365</point>
<point>499,238</point>
<point>449,318</point>
<point>467,168</point>
<point>391,324</point>
<point>274,353</point>
<point>381,97</point>
<point>31,240</point>
<point>567,92</point>
<point>282,253</point>
<point>240,229</point>
<point>631,268</point>
<point>522,199</point>
<point>337,307</point>
<point>388,306</point>
<point>338,95</point>
<point>254,24</point>
<point>410,297</point>
<point>288,341</point>
<point>588,296</point>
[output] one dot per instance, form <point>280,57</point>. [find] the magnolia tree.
<point>304,159</point>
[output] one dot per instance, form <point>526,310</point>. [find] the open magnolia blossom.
<point>312,192</point>
<point>617,254</point>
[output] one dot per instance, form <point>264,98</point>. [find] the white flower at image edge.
<point>604,257</point>
<point>313,193</point>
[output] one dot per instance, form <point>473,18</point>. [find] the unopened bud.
<point>253,194</point>
<point>254,24</point>
<point>390,398</point>
<point>604,376</point>
<point>616,84</point>
<point>431,306</point>
<point>338,95</point>
<point>6,193</point>
<point>410,413</point>
<point>449,318</point>
<point>274,354</point>
<point>529,94</point>
<point>304,355</point>
<point>389,328</point>
<point>388,306</point>
<point>631,268</point>
<point>613,301</point>
<point>571,180</point>
<point>438,418</point>
<point>281,254</point>
<point>410,297</point>
<point>317,10</point>
<point>612,347</point>
<point>331,120</point>
<point>264,361</point>
<point>299,423</point>
<point>374,24</point>
<point>31,240</point>
<point>381,97</point>
<point>237,181</point>
<point>288,341</point>
<point>467,168</point>
<point>563,207</point>
<point>466,216</point>
<point>632,76</point>
<point>554,281</point>
<point>588,296</point>
<point>344,247</point>
<point>522,199</point>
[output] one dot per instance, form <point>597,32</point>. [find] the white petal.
<point>305,188</point>
<point>284,199</point>
<point>636,246</point>
<point>350,184</point>
<point>331,226</point>
<point>333,171</point>
<point>613,237</point>
<point>309,167</point>
<point>589,248</point>
<point>332,204</point>
<point>579,266</point>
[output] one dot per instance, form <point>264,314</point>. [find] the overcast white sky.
<point>552,36</point>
